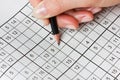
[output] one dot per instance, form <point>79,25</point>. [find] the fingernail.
<point>96,10</point>
<point>86,19</point>
<point>71,27</point>
<point>41,11</point>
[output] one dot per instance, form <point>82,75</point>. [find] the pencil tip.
<point>57,37</point>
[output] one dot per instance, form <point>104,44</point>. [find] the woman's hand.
<point>69,12</point>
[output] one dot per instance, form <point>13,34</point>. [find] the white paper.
<point>29,52</point>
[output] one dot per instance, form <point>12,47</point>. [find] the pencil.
<point>54,27</point>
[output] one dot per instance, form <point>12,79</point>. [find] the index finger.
<point>34,3</point>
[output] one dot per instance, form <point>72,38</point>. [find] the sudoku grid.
<point>28,51</point>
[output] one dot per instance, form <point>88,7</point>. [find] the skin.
<point>70,13</point>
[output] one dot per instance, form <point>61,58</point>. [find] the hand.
<point>69,13</point>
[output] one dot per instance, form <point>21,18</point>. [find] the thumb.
<point>49,8</point>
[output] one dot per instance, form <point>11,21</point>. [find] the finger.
<point>34,3</point>
<point>51,8</point>
<point>94,10</point>
<point>67,21</point>
<point>81,15</point>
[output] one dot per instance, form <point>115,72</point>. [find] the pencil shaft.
<point>54,25</point>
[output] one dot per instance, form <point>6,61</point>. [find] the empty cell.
<point>44,44</point>
<point>117,22</point>
<point>9,49</point>
<point>2,33</point>
<point>108,35</point>
<point>56,73</point>
<point>39,61</point>
<point>93,35</point>
<point>61,56</point>
<point>79,36</point>
<point>106,66</point>
<point>81,49</point>
<point>36,39</point>
<point>38,50</point>
<point>65,37</point>
<point>30,44</point>
<point>18,66</point>
<point>62,67</point>
<point>73,43</point>
<point>71,74</point>
<point>99,29</point>
<point>35,27</point>
<point>29,33</point>
<point>21,28</point>
<point>43,33</point>
<point>89,54</point>
<point>23,49</point>
<point>103,53</point>
<point>20,17</point>
<point>83,61</point>
<point>17,55</point>
<point>33,67</point>
<point>91,67</point>
<point>16,44</point>
<point>19,76</point>
<point>97,60</point>
<point>74,55</point>
<point>64,78</point>
<point>102,41</point>
<point>111,16</point>
<point>27,10</point>
<point>22,38</point>
<point>25,61</point>
<point>67,50</point>
<point>85,73</point>
<point>99,73</point>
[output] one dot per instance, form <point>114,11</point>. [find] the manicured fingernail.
<point>41,11</point>
<point>71,27</point>
<point>86,19</point>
